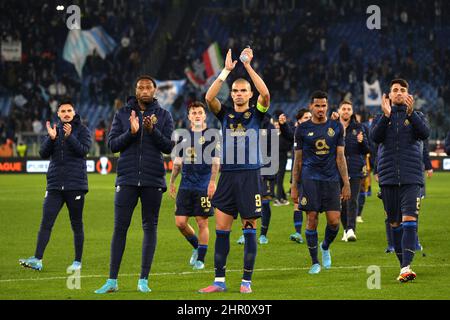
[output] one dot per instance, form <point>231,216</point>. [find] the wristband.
<point>224,74</point>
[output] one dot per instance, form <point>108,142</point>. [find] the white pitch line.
<point>211,271</point>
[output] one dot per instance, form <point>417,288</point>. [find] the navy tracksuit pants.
<point>53,202</point>
<point>126,199</point>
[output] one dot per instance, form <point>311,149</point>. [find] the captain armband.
<point>261,108</point>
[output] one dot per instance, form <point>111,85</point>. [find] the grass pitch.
<point>281,266</point>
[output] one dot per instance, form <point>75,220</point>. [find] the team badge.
<point>331,132</point>
<point>304,202</point>
<point>154,119</point>
<point>247,115</point>
<point>231,116</point>
<point>118,189</point>
<point>201,140</point>
<point>190,152</point>
<point>354,132</point>
<point>310,134</point>
<point>406,122</point>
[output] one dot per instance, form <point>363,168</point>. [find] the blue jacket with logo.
<point>141,155</point>
<point>400,150</point>
<point>354,151</point>
<point>67,168</point>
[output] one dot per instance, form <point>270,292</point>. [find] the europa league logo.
<point>104,166</point>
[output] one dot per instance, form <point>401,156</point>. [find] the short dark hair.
<point>243,80</point>
<point>345,102</point>
<point>401,82</point>
<point>301,113</point>
<point>146,77</point>
<point>318,95</point>
<point>196,104</point>
<point>66,101</point>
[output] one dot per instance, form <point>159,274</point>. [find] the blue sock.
<point>193,240</point>
<point>298,221</point>
<point>202,248</point>
<point>417,232</point>
<point>389,235</point>
<point>221,250</point>
<point>249,253</point>
<point>265,219</point>
<point>361,202</point>
<point>397,235</point>
<point>409,242</point>
<point>313,242</point>
<point>330,234</point>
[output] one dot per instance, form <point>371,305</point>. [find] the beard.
<point>145,101</point>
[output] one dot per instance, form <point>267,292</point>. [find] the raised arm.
<point>211,95</point>
<point>264,95</point>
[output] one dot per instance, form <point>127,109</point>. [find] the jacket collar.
<point>399,108</point>
<point>133,104</point>
<point>76,121</point>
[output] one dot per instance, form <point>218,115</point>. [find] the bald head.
<point>242,81</point>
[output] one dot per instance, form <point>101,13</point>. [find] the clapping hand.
<point>51,131</point>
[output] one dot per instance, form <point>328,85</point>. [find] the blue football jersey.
<point>240,133</point>
<point>196,169</point>
<point>319,143</point>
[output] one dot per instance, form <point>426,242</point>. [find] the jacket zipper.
<point>140,152</point>
<point>62,157</point>
<point>397,158</point>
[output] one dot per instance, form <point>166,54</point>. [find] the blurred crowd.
<point>292,41</point>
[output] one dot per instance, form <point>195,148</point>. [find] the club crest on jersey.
<point>354,132</point>
<point>247,115</point>
<point>310,134</point>
<point>154,119</point>
<point>304,202</point>
<point>190,152</point>
<point>231,116</point>
<point>201,140</point>
<point>406,123</point>
<point>331,132</point>
<point>118,189</point>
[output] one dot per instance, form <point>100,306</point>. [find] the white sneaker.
<point>351,235</point>
<point>344,237</point>
<point>359,219</point>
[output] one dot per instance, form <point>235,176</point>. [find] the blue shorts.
<point>239,192</point>
<point>268,186</point>
<point>319,196</point>
<point>401,201</point>
<point>193,203</point>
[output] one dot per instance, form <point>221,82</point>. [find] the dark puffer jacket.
<point>354,151</point>
<point>141,160</point>
<point>67,169</point>
<point>400,157</point>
